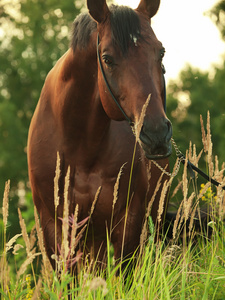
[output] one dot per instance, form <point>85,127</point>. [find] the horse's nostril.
<point>156,133</point>
<point>144,137</point>
<point>169,130</point>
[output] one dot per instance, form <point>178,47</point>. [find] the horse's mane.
<point>125,26</point>
<point>82,28</point>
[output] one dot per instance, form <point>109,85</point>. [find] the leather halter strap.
<point>111,93</point>
<point>108,86</point>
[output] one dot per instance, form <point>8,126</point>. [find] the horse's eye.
<point>108,60</point>
<point>162,53</point>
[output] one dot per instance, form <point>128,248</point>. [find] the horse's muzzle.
<point>156,140</point>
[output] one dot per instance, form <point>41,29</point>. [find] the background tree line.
<point>33,35</point>
<point>196,92</point>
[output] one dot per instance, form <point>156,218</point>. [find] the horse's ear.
<point>149,7</point>
<point>98,9</point>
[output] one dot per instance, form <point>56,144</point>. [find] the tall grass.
<point>189,264</point>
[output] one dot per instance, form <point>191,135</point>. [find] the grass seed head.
<point>56,182</point>
<point>5,206</point>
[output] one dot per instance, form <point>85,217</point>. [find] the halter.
<point>111,93</point>
<point>179,154</point>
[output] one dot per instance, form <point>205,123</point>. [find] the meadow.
<point>187,262</point>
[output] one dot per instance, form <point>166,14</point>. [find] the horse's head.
<point>130,63</point>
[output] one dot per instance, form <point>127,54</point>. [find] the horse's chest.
<point>93,192</point>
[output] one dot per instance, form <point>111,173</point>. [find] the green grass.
<point>191,265</point>
<point>164,270</point>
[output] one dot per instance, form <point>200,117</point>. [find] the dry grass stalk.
<point>96,283</point>
<point>153,196</point>
<point>170,254</point>
<point>149,166</point>
<point>185,188</point>
<point>148,171</point>
<point>204,140</point>
<point>219,177</point>
<point>176,189</point>
<point>56,182</point>
<point>220,197</point>
<point>16,248</point>
<point>139,123</point>
<point>87,267</point>
<point>178,217</point>
<point>9,244</point>
<point>24,233</point>
<point>36,294</point>
<point>144,232</point>
<point>193,157</point>
<point>207,142</point>
<point>143,236</point>
<point>95,200</point>
<point>29,244</point>
<point>209,146</point>
<point>46,267</point>
<point>223,165</point>
<point>115,194</point>
<point>187,209</point>
<point>222,208</point>
<point>74,230</point>
<point>65,223</point>
<point>56,198</point>
<point>27,262</point>
<point>218,174</point>
<point>79,235</point>
<point>33,237</point>
<point>116,187</point>
<point>216,165</point>
<point>192,218</point>
<point>5,205</point>
<point>4,268</point>
<point>4,274</point>
<point>40,237</point>
<point>175,170</point>
<point>203,191</point>
<point>198,157</point>
<point>221,202</point>
<point>190,151</point>
<point>162,201</point>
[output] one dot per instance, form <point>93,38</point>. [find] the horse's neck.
<point>78,105</point>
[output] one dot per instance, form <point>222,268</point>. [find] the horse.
<point>89,112</point>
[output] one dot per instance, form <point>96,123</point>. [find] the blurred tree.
<point>33,35</point>
<point>218,15</point>
<point>196,92</point>
<point>193,95</point>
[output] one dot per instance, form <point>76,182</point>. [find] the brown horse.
<point>83,110</point>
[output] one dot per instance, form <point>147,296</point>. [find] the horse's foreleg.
<point>52,236</point>
<point>126,239</point>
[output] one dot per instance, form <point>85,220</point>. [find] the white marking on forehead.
<point>134,39</point>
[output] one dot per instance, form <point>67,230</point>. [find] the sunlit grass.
<point>190,264</point>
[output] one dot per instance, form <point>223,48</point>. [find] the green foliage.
<point>218,15</point>
<point>34,35</point>
<point>194,94</point>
